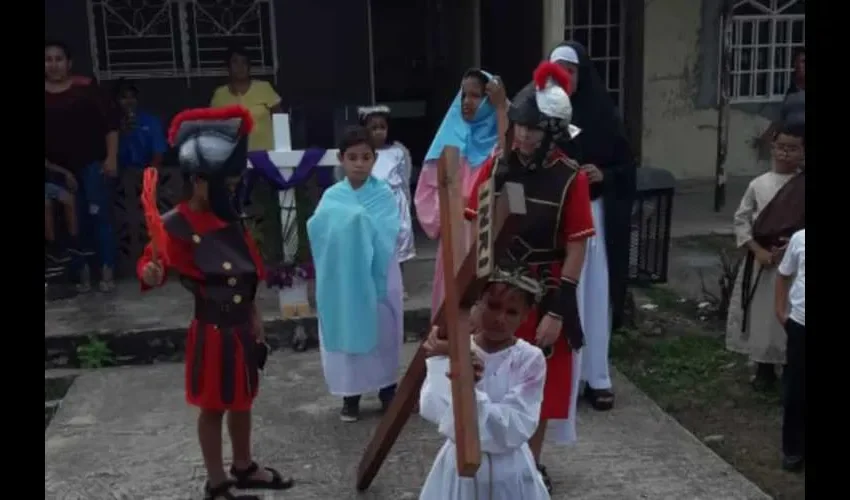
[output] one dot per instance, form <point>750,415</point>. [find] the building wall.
<point>681,48</point>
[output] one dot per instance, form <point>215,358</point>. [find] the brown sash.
<point>784,215</point>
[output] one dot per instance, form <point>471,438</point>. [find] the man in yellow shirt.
<point>261,100</point>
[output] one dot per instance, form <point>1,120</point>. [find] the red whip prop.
<point>153,221</point>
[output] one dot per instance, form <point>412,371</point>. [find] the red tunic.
<point>220,370</point>
<point>578,225</point>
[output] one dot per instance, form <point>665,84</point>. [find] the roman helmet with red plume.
<point>212,144</point>
<point>545,103</point>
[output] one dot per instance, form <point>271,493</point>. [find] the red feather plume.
<point>156,229</point>
<point>225,113</point>
<point>547,70</point>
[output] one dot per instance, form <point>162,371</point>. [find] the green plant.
<point>95,353</point>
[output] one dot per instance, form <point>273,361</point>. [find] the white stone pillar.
<point>554,23</point>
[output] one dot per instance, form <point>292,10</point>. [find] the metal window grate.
<point>598,25</point>
<point>179,38</point>
<point>764,36</point>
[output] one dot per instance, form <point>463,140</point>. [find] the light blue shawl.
<point>475,139</point>
<point>352,236</point>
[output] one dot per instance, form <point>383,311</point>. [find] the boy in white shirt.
<point>791,311</point>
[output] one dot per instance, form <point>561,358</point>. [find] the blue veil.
<point>475,139</point>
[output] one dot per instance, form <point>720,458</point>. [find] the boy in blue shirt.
<point>142,140</point>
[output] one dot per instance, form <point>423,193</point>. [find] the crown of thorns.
<point>520,278</point>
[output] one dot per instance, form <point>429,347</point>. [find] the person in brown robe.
<point>771,210</point>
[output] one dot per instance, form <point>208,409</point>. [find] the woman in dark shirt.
<point>81,136</point>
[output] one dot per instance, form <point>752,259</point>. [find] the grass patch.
<point>688,371</point>
<point>683,365</point>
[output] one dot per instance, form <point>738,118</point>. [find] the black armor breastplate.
<point>541,239</point>
<point>226,295</point>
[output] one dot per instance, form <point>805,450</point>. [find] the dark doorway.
<point>420,49</point>
<point>511,34</point>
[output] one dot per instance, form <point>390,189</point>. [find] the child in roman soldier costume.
<point>204,242</point>
<point>552,240</point>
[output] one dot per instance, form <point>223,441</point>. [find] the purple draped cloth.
<point>265,168</point>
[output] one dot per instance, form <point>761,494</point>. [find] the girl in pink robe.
<point>474,122</point>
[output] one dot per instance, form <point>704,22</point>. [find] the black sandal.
<point>222,492</point>
<point>547,481</point>
<point>599,399</point>
<point>244,481</point>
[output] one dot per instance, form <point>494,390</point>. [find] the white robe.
<point>356,374</point>
<point>594,305</point>
<point>508,397</point>
<point>763,339</point>
<point>393,166</point>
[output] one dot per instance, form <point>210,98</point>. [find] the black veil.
<point>602,142</point>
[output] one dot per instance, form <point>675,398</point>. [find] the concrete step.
<point>56,385</point>
<point>164,344</point>
<point>127,327</point>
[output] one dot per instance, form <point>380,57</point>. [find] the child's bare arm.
<point>56,168</point>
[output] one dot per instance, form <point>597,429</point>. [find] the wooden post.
<point>508,209</point>
<point>467,443</point>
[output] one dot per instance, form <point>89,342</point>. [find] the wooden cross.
<point>499,218</point>
<point>467,443</point>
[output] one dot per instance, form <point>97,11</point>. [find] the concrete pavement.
<point>126,434</point>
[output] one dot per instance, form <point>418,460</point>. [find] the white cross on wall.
<point>286,159</point>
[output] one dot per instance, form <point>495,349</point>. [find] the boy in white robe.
<point>510,374</point>
<point>771,210</point>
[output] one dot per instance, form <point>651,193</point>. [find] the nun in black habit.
<point>604,153</point>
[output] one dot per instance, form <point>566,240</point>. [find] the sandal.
<point>599,399</point>
<point>244,481</point>
<point>547,481</point>
<point>222,492</point>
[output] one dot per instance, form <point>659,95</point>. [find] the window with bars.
<point>765,35</point>
<point>179,38</point>
<point>598,25</point>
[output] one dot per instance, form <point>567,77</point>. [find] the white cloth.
<point>564,53</point>
<point>509,397</point>
<point>355,374</point>
<point>594,305</point>
<point>794,264</point>
<point>393,165</point>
